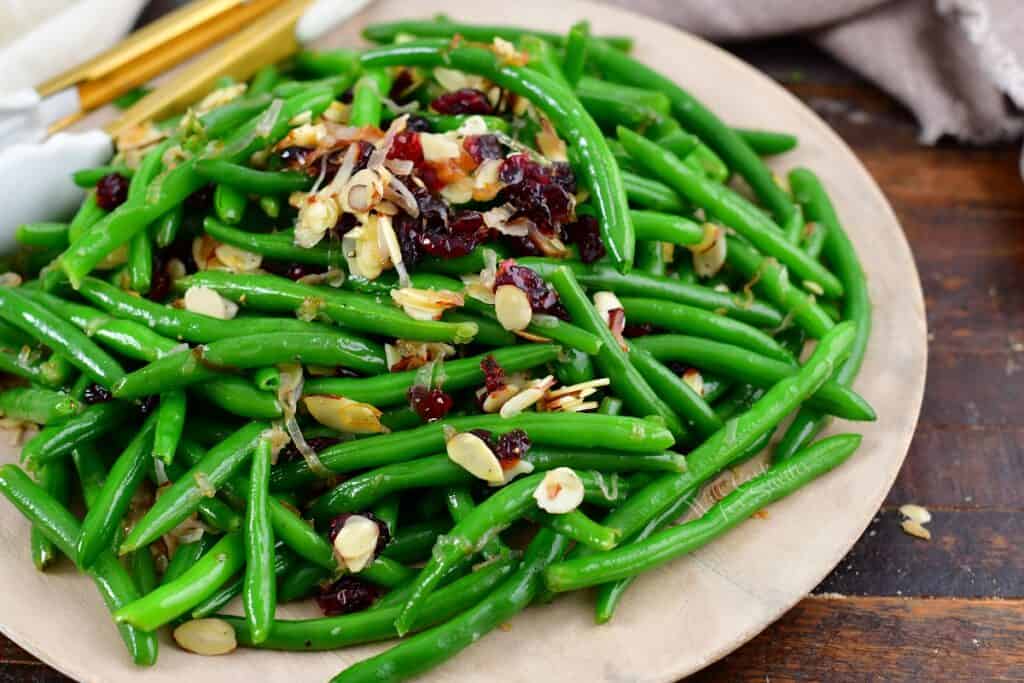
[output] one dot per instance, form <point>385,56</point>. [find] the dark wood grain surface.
<point>899,608</point>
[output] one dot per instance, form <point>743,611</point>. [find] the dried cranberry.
<point>543,298</point>
<point>346,97</point>
<point>402,85</point>
<point>201,199</point>
<point>94,393</point>
<point>148,404</point>
<point>542,193</point>
<point>494,374</point>
<point>514,169</point>
<point>317,443</point>
<point>111,191</point>
<point>482,147</point>
<point>383,534</point>
<point>347,595</point>
<point>511,447</point>
<point>586,234</point>
<point>362,158</point>
<point>407,146</point>
<point>468,223</point>
<point>160,284</point>
<point>637,329</point>
<point>464,101</point>
<point>429,404</point>
<point>418,124</point>
<point>434,233</point>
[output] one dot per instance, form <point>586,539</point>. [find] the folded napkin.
<point>958,65</point>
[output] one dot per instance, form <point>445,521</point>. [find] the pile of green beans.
<point>224,400</point>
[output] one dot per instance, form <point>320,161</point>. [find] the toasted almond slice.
<point>344,415</point>
<point>356,542</point>
<point>512,307</point>
<point>707,261</point>
<point>521,467</point>
<point>469,452</point>
<point>559,492</point>
<point>439,147</point>
<point>521,401</point>
<point>317,215</point>
<point>206,301</point>
<point>916,529</point>
<point>916,513</point>
<point>208,637</point>
<point>605,303</point>
<point>581,387</point>
<point>695,380</point>
<point>495,400</point>
<point>238,260</point>
<point>426,304</point>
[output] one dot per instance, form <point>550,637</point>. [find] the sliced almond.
<point>709,255</point>
<point>426,304</point>
<point>469,452</point>
<point>521,401</point>
<point>209,637</point>
<point>916,529</point>
<point>356,542</point>
<point>559,492</point>
<point>695,380</point>
<point>512,307</point>
<point>317,215</point>
<point>521,467</point>
<point>486,183</point>
<point>343,414</point>
<point>582,389</point>
<point>605,303</point>
<point>220,97</point>
<point>459,190</point>
<point>916,513</point>
<point>238,260</point>
<point>363,191</point>
<point>206,301</point>
<point>495,400</point>
<point>439,147</point>
<point>548,142</point>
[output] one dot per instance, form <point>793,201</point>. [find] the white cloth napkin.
<point>72,33</point>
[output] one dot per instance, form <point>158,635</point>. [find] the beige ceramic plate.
<point>685,615</point>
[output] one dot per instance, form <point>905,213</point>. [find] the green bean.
<point>267,379</point>
<point>651,194</point>
<point>271,206</point>
<point>60,526</point>
<point>289,528</point>
<point>91,470</point>
<point>181,181</point>
<point>167,227</point>
<point>56,441</point>
<point>250,180</point>
<point>229,203</point>
<point>619,67</point>
<point>183,325</point>
<point>259,594</point>
<point>427,649</point>
<point>173,371</point>
<point>663,227</point>
<point>731,208</point>
<point>387,573</point>
<point>814,237</point>
<point>698,322</point>
<point>443,123</point>
<point>279,246</point>
<point>778,482</point>
<point>354,311</point>
<point>611,360</point>
<point>772,281</point>
<point>186,555</point>
<point>53,479</point>
<point>65,339</point>
<point>487,519</point>
<point>34,404</point>
<point>103,519</point>
<point>637,97</point>
<point>739,434</point>
<point>856,306</point>
<point>741,365</point>
<point>694,153</point>
<point>238,396</point>
<point>180,500</point>
<point>264,80</point>
<point>677,394</point>
<point>140,262</point>
<point>576,430</point>
<point>681,143</point>
<point>170,422</point>
<point>650,258</point>
<point>325,348</point>
<point>795,227</point>
<point>143,571</point>
<point>367,94</point>
<point>598,277</point>
<point>43,235</point>
<point>388,32</point>
<point>460,504</point>
<point>542,59</point>
<point>766,142</point>
<point>386,510</point>
<point>327,62</point>
<point>391,389</point>
<point>88,177</point>
<point>21,364</point>
<point>595,164</point>
<point>574,367</point>
<point>413,542</point>
<point>578,527</point>
<point>87,216</point>
<point>332,633</point>
<point>284,563</point>
<point>171,600</point>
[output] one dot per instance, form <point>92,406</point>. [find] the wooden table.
<point>899,608</point>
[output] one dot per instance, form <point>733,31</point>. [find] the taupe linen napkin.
<point>958,65</point>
